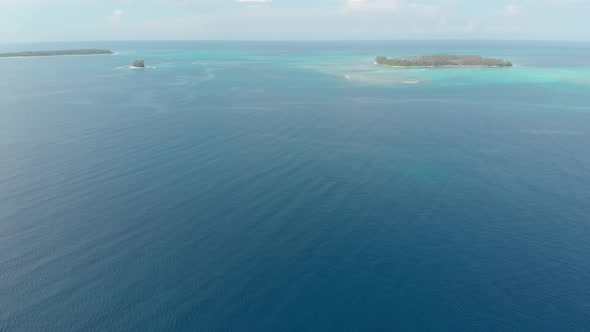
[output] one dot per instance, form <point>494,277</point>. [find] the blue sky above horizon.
<point>72,20</point>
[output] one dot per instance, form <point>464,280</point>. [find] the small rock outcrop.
<point>138,64</point>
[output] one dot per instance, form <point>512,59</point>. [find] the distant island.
<point>55,53</point>
<point>442,60</point>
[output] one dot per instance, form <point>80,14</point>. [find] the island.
<point>91,51</point>
<point>138,64</point>
<point>442,60</point>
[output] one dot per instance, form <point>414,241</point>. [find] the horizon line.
<point>295,40</point>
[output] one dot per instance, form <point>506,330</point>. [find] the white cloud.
<point>116,17</point>
<point>384,6</point>
<point>372,4</point>
<point>512,9</point>
<point>473,24</point>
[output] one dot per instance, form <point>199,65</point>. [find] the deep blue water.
<point>236,187</point>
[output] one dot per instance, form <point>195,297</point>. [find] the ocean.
<point>294,186</point>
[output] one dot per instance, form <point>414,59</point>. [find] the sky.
<point>86,20</point>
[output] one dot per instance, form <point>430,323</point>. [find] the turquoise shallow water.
<point>253,186</point>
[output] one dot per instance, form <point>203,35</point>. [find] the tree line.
<point>440,60</point>
<point>53,53</point>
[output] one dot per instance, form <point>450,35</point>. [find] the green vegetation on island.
<point>55,53</point>
<point>442,60</point>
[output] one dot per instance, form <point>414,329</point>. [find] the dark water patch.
<point>265,197</point>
